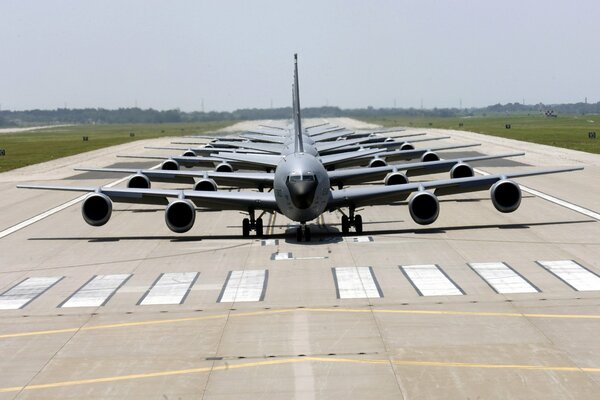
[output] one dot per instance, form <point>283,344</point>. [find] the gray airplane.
<point>301,192</point>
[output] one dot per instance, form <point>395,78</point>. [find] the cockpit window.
<point>302,178</point>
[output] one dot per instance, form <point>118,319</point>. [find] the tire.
<point>259,227</point>
<point>345,224</point>
<point>358,225</point>
<point>307,234</point>
<point>245,227</point>
<point>299,234</point>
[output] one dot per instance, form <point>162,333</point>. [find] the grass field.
<point>27,148</point>
<point>568,131</point>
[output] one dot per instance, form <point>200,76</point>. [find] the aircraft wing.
<point>379,195</point>
<point>264,160</point>
<point>212,200</point>
<point>335,160</point>
<point>274,148</point>
<point>281,139</point>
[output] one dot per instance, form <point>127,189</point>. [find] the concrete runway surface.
<point>478,305</point>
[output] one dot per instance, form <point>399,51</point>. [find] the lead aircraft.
<point>302,192</point>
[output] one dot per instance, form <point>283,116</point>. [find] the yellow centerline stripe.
<point>409,363</point>
<point>287,310</point>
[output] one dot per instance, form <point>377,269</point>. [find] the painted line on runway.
<point>26,291</point>
<point>246,285</point>
<point>232,366</point>
<point>293,310</point>
<point>502,278</point>
<point>56,209</point>
<point>169,288</point>
<point>356,283</point>
<point>573,274</point>
<point>96,292</point>
<point>552,199</point>
<point>430,280</point>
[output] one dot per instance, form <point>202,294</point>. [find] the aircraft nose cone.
<point>302,193</point>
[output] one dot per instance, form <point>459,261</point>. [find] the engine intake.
<point>424,207</point>
<point>139,181</point>
<point>180,216</point>
<point>189,153</point>
<point>224,167</point>
<point>429,156</point>
<point>377,162</point>
<point>461,170</point>
<point>395,178</point>
<point>170,165</point>
<point>96,209</point>
<point>506,196</point>
<point>206,185</point>
<point>407,146</point>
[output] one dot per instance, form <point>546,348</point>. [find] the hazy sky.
<point>238,54</point>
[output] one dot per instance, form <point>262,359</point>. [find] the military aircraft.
<point>302,192</point>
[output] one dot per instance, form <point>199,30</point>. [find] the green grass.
<point>568,131</point>
<point>34,147</point>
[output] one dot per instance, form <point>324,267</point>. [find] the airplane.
<point>302,192</point>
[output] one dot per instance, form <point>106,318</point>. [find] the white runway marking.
<point>22,294</point>
<point>97,291</point>
<point>552,199</point>
<point>358,239</point>
<point>170,288</point>
<point>56,209</point>
<point>502,278</point>
<point>248,285</point>
<point>269,242</point>
<point>281,256</point>
<point>356,283</point>
<point>430,280</point>
<point>573,274</point>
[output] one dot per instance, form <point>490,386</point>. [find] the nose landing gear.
<point>352,220</point>
<point>303,231</point>
<point>252,224</point>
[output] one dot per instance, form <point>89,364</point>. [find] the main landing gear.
<point>352,220</point>
<point>303,231</point>
<point>252,224</point>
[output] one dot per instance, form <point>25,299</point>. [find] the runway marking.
<point>170,288</point>
<point>356,283</point>
<point>281,256</point>
<point>26,291</point>
<point>573,274</point>
<point>265,363</point>
<point>96,292</point>
<point>291,310</point>
<point>430,280</point>
<point>269,242</point>
<point>552,199</point>
<point>247,285</point>
<point>56,209</point>
<point>358,239</point>
<point>502,278</point>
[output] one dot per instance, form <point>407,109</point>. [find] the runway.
<point>478,305</point>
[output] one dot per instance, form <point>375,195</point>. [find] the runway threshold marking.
<point>356,283</point>
<point>502,278</point>
<point>552,199</point>
<point>26,291</point>
<point>573,274</point>
<point>333,360</point>
<point>246,285</point>
<point>169,288</point>
<point>96,292</point>
<point>56,209</point>
<point>430,280</point>
<point>293,310</point>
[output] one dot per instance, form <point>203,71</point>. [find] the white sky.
<point>238,54</point>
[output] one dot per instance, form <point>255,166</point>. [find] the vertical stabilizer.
<point>299,147</point>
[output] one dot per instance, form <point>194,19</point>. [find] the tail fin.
<point>299,147</point>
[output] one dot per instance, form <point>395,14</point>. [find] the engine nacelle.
<point>224,167</point>
<point>170,165</point>
<point>377,162</point>
<point>388,140</point>
<point>139,181</point>
<point>96,209</point>
<point>206,185</point>
<point>407,146</point>
<point>461,170</point>
<point>395,178</point>
<point>180,216</point>
<point>429,156</point>
<point>506,196</point>
<point>189,153</point>
<point>424,207</point>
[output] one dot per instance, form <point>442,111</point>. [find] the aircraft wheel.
<point>307,234</point>
<point>259,227</point>
<point>299,234</point>
<point>345,224</point>
<point>245,227</point>
<point>358,223</point>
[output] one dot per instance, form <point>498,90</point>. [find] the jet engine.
<point>388,140</point>
<point>377,162</point>
<point>407,146</point>
<point>506,196</point>
<point>139,181</point>
<point>424,207</point>
<point>429,156</point>
<point>461,170</point>
<point>180,216</point>
<point>170,165</point>
<point>206,185</point>
<point>224,167</point>
<point>189,153</point>
<point>96,209</point>
<point>395,178</point>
